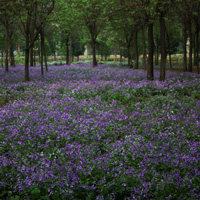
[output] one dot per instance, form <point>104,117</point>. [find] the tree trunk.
<point>157,51</point>
<point>70,50</point>
<point>129,57</point>
<point>34,58</point>
<point>27,49</point>
<point>185,48</point>
<point>197,38</point>
<point>94,60</point>
<point>31,56</point>
<point>195,48</point>
<point>169,47</point>
<point>150,74</point>
<point>156,56</point>
<point>7,41</point>
<point>54,55</point>
<point>67,50</point>
<point>45,59</point>
<point>162,48</point>
<point>2,57</point>
<point>120,57</point>
<point>12,56</point>
<point>27,58</point>
<point>144,48</point>
<point>27,65</point>
<point>136,51</point>
<point>42,50</point>
<point>191,48</point>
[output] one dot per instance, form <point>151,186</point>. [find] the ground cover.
<point>99,133</point>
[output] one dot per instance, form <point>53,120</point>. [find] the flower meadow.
<point>99,133</point>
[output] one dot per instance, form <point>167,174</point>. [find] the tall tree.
<point>27,19</point>
<point>93,15</point>
<point>6,18</point>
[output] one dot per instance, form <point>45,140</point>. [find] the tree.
<point>93,15</point>
<point>6,18</point>
<point>28,11</point>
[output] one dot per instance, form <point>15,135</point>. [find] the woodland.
<point>120,122</point>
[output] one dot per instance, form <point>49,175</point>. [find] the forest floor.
<point>101,133</point>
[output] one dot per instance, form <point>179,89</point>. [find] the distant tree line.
<point>154,29</point>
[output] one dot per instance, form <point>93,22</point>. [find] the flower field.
<point>99,133</point>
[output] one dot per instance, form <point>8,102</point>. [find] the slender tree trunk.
<point>31,56</point>
<point>45,59</point>
<point>162,48</point>
<point>136,51</point>
<point>150,74</point>
<point>54,54</point>
<point>191,48</point>
<point>42,50</point>
<point>129,57</point>
<point>185,48</point>
<point>169,47</point>
<point>156,52</point>
<point>27,57</point>
<point>2,57</point>
<point>70,50</point>
<point>34,58</point>
<point>156,56</point>
<point>120,57</point>
<point>197,37</point>
<point>115,58</point>
<point>7,41</point>
<point>26,65</point>
<point>94,60</point>
<point>195,48</point>
<point>67,50</point>
<point>12,56</point>
<point>27,49</point>
<point>170,60</point>
<point>144,48</point>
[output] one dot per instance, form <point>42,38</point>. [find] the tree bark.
<point>191,48</point>
<point>197,38</point>
<point>169,47</point>
<point>12,56</point>
<point>144,48</point>
<point>136,51</point>
<point>2,57</point>
<point>195,48</point>
<point>27,57</point>
<point>120,57</point>
<point>185,48</point>
<point>54,55</point>
<point>67,50</point>
<point>34,58</point>
<point>162,48</point>
<point>45,59</point>
<point>94,60</point>
<point>157,51</point>
<point>31,56</point>
<point>27,49</point>
<point>129,57</point>
<point>6,49</point>
<point>42,50</point>
<point>150,74</point>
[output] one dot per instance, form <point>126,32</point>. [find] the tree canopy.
<point>129,28</point>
